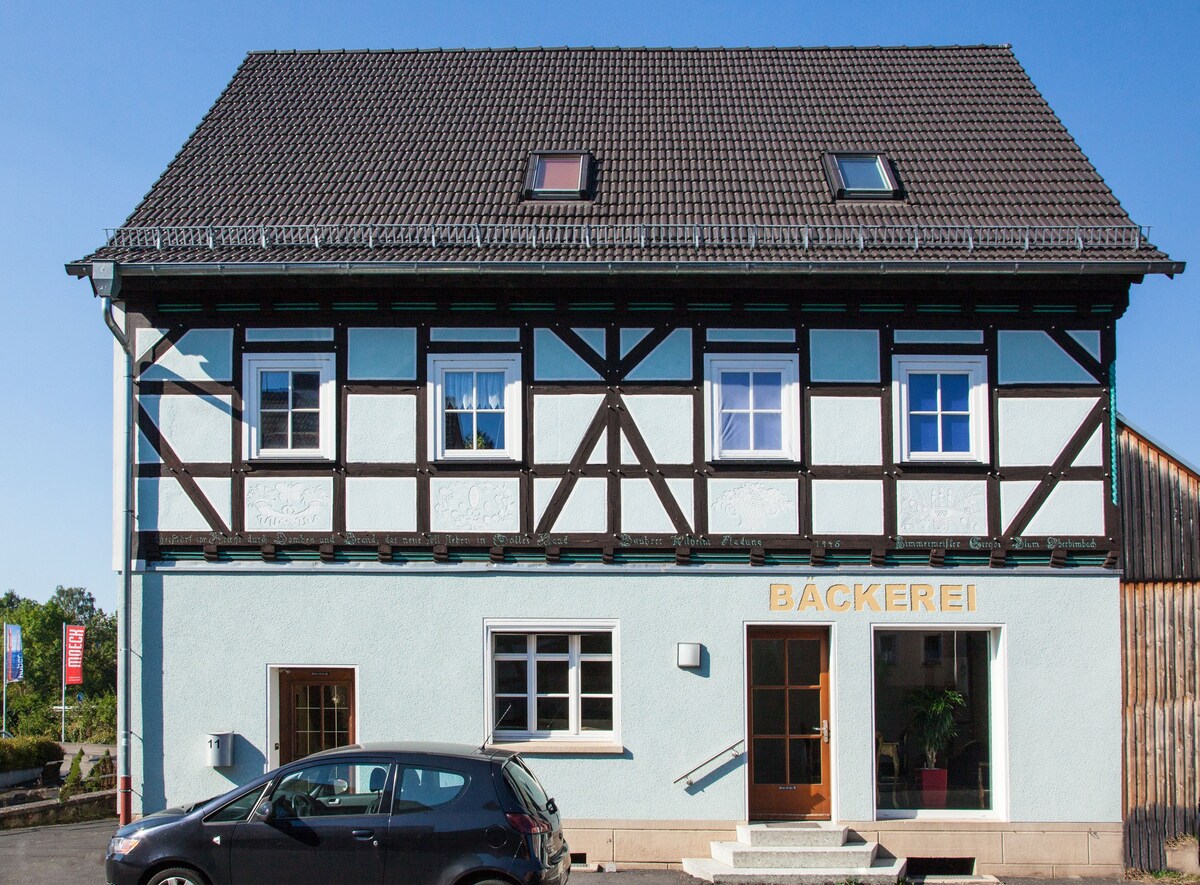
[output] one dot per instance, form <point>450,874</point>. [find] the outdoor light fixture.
<point>687,655</point>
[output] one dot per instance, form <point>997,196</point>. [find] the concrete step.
<point>741,856</point>
<point>882,872</point>
<point>793,834</point>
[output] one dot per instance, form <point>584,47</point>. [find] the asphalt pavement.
<point>73,854</point>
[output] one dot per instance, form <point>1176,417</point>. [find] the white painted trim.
<point>998,761</point>
<point>510,365</point>
<point>252,364</point>
<point>980,428</point>
<point>272,706</point>
<point>552,625</point>
<point>788,364</point>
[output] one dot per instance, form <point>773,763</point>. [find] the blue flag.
<point>14,658</point>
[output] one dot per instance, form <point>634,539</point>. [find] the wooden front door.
<point>316,711</point>
<point>788,698</point>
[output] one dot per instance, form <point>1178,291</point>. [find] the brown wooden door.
<point>788,698</point>
<point>316,711</point>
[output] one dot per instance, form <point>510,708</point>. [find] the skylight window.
<point>558,175</point>
<point>861,176</point>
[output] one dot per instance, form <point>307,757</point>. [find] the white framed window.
<point>475,407</point>
<point>553,681</point>
<point>940,408</point>
<point>289,404</point>
<point>752,406</point>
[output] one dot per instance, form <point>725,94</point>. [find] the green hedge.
<point>28,752</point>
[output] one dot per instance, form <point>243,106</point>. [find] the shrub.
<point>102,775</point>
<point>74,782</point>
<point>94,720</point>
<point>28,752</point>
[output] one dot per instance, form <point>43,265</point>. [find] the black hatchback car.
<point>369,814</point>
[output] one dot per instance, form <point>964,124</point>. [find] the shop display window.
<point>933,700</point>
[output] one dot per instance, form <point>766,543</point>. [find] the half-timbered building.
<point>691,420</point>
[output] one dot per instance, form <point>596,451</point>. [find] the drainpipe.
<point>106,282</point>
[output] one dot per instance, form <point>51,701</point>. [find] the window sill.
<point>579,748</point>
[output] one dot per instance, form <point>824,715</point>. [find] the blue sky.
<point>96,98</point>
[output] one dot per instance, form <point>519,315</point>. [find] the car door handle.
<point>364,835</point>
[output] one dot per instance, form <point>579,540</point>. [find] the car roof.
<point>431,748</point>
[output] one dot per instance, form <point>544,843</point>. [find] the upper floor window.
<point>289,405</point>
<point>559,175</point>
<point>751,404</point>
<point>941,408</point>
<point>861,176</point>
<point>476,406</point>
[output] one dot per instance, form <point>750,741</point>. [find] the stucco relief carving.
<point>753,504</point>
<point>470,506</point>
<point>952,508</point>
<point>287,504</point>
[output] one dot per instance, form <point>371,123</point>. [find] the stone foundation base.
<point>999,849</point>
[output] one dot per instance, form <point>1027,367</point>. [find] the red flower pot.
<point>933,787</point>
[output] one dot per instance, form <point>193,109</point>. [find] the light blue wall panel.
<point>1034,358</point>
<point>670,361</point>
<point>780,336</point>
<point>381,504</point>
<point>665,423</point>
<point>938,336</point>
<point>485,334</point>
<point>198,428</point>
<point>553,360</point>
<point>559,423</point>
<point>381,428</point>
<point>766,506</point>
<point>631,337</point>
<point>596,338</point>
<point>850,355</point>
<point>382,354</point>
<point>200,355</point>
<point>1089,339</point>
<point>253,335</point>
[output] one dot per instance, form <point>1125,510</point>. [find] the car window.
<point>419,788</point>
<point>331,789</point>
<point>526,786</point>
<point>237,809</point>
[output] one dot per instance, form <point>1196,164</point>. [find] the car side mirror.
<point>264,811</point>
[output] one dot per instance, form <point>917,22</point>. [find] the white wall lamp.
<point>687,655</point>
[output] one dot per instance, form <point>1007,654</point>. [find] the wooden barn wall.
<point>1160,634</point>
<point>1160,512</point>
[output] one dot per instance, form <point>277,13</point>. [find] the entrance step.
<point>855,855</point>
<point>884,871</point>
<point>795,835</point>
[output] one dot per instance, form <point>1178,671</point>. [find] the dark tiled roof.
<point>680,136</point>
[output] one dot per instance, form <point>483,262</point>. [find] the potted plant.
<point>932,728</point>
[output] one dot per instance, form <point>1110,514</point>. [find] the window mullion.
<point>531,683</point>
<point>573,683</point>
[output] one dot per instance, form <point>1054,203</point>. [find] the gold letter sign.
<point>874,597</point>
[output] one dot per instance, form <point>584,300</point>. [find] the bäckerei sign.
<point>873,597</point>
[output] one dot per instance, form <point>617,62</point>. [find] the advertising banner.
<point>73,655</point>
<point>14,657</point>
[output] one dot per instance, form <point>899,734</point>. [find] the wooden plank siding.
<point>1160,635</point>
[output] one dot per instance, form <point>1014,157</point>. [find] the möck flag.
<point>73,655</point>
<point>14,658</point>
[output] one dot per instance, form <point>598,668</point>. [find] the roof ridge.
<point>498,49</point>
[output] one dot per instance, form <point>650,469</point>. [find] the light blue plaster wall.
<point>665,423</point>
<point>1034,358</point>
<point>849,355</point>
<point>559,423</point>
<point>1072,508</point>
<point>423,643</point>
<point>382,354</point>
<point>381,504</point>
<point>1089,339</point>
<point>253,335</point>
<point>198,427</point>
<point>846,430</point>
<point>200,355</point>
<point>781,336</point>
<point>586,510</point>
<point>554,360</point>
<point>381,428</point>
<point>670,361</point>
<point>484,334</point>
<point>162,504</point>
<point>1034,430</point>
<point>847,507</point>
<point>938,336</point>
<point>596,338</point>
<point>762,506</point>
<point>630,339</point>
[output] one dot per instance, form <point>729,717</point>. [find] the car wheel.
<point>177,876</point>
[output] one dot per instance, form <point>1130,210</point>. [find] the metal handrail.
<point>731,749</point>
<point>588,235</point>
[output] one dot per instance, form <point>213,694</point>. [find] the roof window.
<point>558,175</point>
<point>861,175</point>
